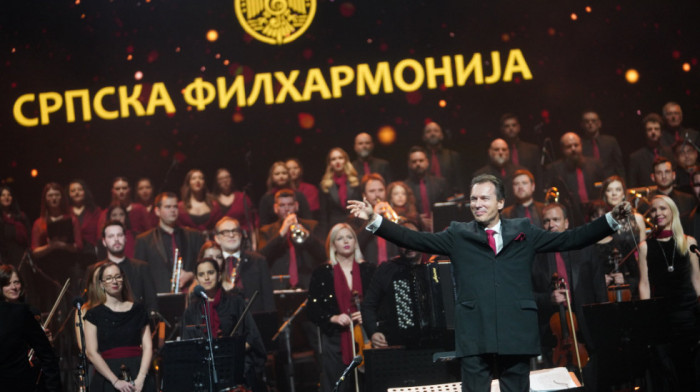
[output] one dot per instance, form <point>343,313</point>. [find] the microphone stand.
<point>213,376</point>
<point>83,381</point>
<point>287,342</point>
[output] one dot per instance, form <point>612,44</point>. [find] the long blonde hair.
<point>330,248</point>
<point>350,172</point>
<point>676,227</point>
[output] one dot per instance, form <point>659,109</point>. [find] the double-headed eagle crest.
<point>275,22</point>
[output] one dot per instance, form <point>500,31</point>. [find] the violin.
<point>617,292</point>
<point>361,341</point>
<point>568,351</point>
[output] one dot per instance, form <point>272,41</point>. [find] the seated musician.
<point>225,308</point>
<point>390,309</point>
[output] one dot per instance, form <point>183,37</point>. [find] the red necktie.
<point>293,273</point>
<point>492,240</point>
<point>381,250</point>
<point>596,151</point>
<point>435,165</point>
<point>503,172</point>
<point>527,213</point>
<point>561,268</point>
<point>424,197</point>
<point>366,167</point>
<point>582,194</point>
<point>656,153</point>
<point>514,154</point>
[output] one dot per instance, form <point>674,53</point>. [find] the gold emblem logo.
<point>275,22</point>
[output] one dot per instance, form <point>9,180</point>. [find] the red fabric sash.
<point>213,314</point>
<point>343,296</point>
<point>122,352</point>
<point>342,182</point>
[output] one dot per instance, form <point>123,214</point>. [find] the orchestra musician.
<point>331,304</point>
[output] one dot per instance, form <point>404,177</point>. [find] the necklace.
<point>669,267</point>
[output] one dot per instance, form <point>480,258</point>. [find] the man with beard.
<point>525,206</point>
<point>599,146</point>
<point>673,127</point>
<point>522,153</point>
<point>665,177</point>
<point>375,249</point>
<point>365,162</point>
<point>500,166</point>
<point>427,188</point>
<point>642,160</point>
<point>443,162</point>
<point>574,175</point>
<point>137,272</point>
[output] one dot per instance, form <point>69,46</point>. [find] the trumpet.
<point>551,195</point>
<point>177,272</point>
<point>298,233</point>
<point>388,212</point>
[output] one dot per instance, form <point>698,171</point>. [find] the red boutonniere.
<point>520,237</point>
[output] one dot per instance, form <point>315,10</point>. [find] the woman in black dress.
<point>224,309</point>
<point>338,185</point>
<point>332,292</point>
<point>117,333</point>
<point>669,270</point>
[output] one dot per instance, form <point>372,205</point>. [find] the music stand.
<point>172,307</point>
<point>622,333</point>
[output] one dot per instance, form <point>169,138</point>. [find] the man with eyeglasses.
<point>136,271</point>
<point>157,246</point>
<point>245,269</point>
<point>289,244</point>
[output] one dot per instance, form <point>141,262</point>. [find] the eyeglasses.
<point>109,279</point>
<point>230,233</point>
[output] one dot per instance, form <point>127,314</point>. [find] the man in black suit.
<point>500,165</point>
<point>575,176</point>
<point>686,162</point>
<point>444,163</point>
<point>599,146</point>
<point>522,153</point>
<point>275,242</point>
<point>673,126</point>
<point>19,331</point>
<point>583,276</point>
<point>642,160</point>
<point>495,314</point>
<point>137,272</point>
<point>157,246</point>
<point>366,163</point>
<point>525,205</point>
<point>427,188</point>
<point>664,178</point>
<point>375,249</point>
<point>246,270</point>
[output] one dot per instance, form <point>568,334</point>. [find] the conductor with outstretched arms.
<point>496,330</point>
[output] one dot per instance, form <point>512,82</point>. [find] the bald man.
<point>673,126</point>
<point>501,166</point>
<point>574,176</point>
<point>444,163</point>
<point>365,162</point>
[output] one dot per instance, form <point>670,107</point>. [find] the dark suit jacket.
<point>668,136</point>
<point>149,248</point>
<point>376,165</point>
<point>610,154</point>
<point>370,249</point>
<point>266,210</point>
<point>562,176</point>
<point>331,211</point>
<point>310,253</point>
<point>586,284</point>
<point>691,223</point>
<point>641,166</point>
<point>495,311</point>
<point>529,157</point>
<point>140,281</point>
<point>450,168</point>
<point>255,275</point>
<point>19,330</point>
<point>437,188</point>
<point>518,211</point>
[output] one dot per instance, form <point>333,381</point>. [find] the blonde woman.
<point>669,270</point>
<point>338,185</point>
<point>333,291</point>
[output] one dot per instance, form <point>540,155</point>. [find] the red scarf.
<point>663,234</point>
<point>213,314</point>
<point>346,304</point>
<point>342,182</point>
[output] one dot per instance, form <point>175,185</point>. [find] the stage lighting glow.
<point>686,67</point>
<point>574,16</point>
<point>632,76</point>
<point>34,173</point>
<point>212,35</point>
<point>306,120</point>
<point>129,57</point>
<point>237,117</point>
<point>442,103</point>
<point>138,75</point>
<point>386,135</point>
<point>588,9</point>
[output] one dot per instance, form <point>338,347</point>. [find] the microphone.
<point>355,362</point>
<point>199,291</point>
<point>156,315</point>
<point>78,302</point>
<point>544,150</point>
<point>694,248</point>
